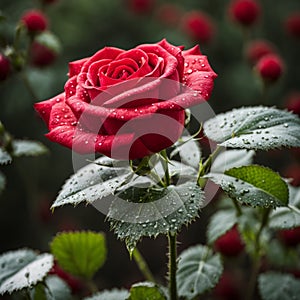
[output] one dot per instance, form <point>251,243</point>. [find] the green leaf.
<point>255,128</point>
<point>53,288</point>
<point>277,286</point>
<point>284,217</point>
<point>49,40</point>
<point>156,211</point>
<point>199,270</point>
<point>253,185</point>
<point>22,269</point>
<point>188,150</point>
<point>110,295</point>
<point>219,224</point>
<point>93,182</point>
<point>146,291</point>
<point>5,158</point>
<point>231,159</point>
<point>2,182</point>
<point>80,253</point>
<point>28,148</point>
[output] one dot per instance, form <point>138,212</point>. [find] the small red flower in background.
<point>292,102</point>
<point>140,6</point>
<point>257,49</point>
<point>270,67</point>
<point>292,24</point>
<point>230,244</point>
<point>199,26</point>
<point>49,1</point>
<point>169,14</point>
<point>290,237</point>
<point>40,55</point>
<point>34,21</point>
<point>293,172</point>
<point>4,67</point>
<point>245,12</point>
<point>226,289</point>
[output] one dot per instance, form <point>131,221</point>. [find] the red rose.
<point>34,20</point>
<point>244,12</point>
<point>198,26</point>
<point>140,6</point>
<point>257,49</point>
<point>270,67</point>
<point>40,55</point>
<point>290,237</point>
<point>292,24</point>
<point>128,104</point>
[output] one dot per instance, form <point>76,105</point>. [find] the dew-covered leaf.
<point>93,182</point>
<point>53,288</point>
<point>113,294</point>
<point>155,210</point>
<point>28,148</point>
<point>23,269</point>
<point>219,224</point>
<point>278,286</point>
<point>284,217</point>
<point>2,182</point>
<point>253,185</point>
<point>146,291</point>
<point>231,159</point>
<point>5,157</point>
<point>199,270</point>
<point>80,253</point>
<point>255,128</point>
<point>188,150</point>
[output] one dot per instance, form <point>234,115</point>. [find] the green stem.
<point>91,286</point>
<point>294,209</point>
<point>29,86</point>
<point>172,266</point>
<point>166,166</point>
<point>237,208</point>
<point>142,265</point>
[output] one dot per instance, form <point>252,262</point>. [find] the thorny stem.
<point>172,266</point>
<point>257,255</point>
<point>142,265</point>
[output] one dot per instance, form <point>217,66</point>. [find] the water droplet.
<point>286,125</point>
<point>189,71</point>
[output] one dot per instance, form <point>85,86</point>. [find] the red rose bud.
<point>4,67</point>
<point>245,12</point>
<point>140,6</point>
<point>227,289</point>
<point>292,103</point>
<point>49,1</point>
<point>290,237</point>
<point>34,21</point>
<point>230,244</point>
<point>292,24</point>
<point>198,26</point>
<point>40,55</point>
<point>257,49</point>
<point>169,14</point>
<point>270,67</point>
<point>293,172</point>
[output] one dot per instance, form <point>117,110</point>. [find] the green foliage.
<point>5,157</point>
<point>146,291</point>
<point>277,286</point>
<point>254,128</point>
<point>199,270</point>
<point>284,217</point>
<point>220,223</point>
<point>53,288</point>
<point>23,269</point>
<point>253,185</point>
<point>80,253</point>
<point>114,294</point>
<point>158,211</point>
<point>28,148</point>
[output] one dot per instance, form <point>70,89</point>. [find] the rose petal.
<point>61,115</point>
<point>93,71</point>
<point>75,66</point>
<point>70,87</point>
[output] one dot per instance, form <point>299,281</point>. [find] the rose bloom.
<point>198,26</point>
<point>128,104</point>
<point>270,67</point>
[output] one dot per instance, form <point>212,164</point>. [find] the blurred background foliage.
<point>83,27</point>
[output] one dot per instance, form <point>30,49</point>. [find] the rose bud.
<point>292,103</point>
<point>198,26</point>
<point>49,1</point>
<point>34,21</point>
<point>270,67</point>
<point>244,12</point>
<point>140,6</point>
<point>290,237</point>
<point>293,172</point>
<point>169,14</point>
<point>128,104</point>
<point>40,55</point>
<point>230,244</point>
<point>257,49</point>
<point>4,67</point>
<point>227,289</point>
<point>292,24</point>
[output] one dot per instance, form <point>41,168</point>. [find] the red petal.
<point>75,66</point>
